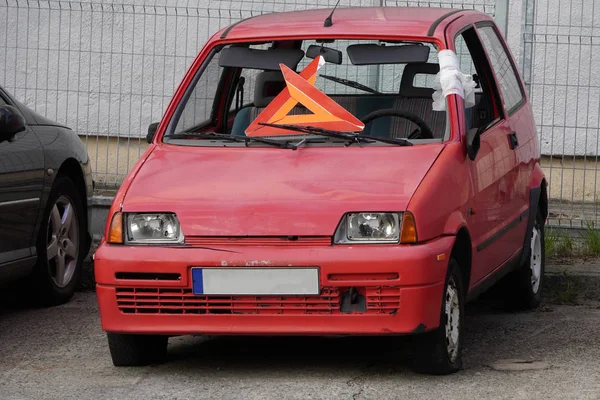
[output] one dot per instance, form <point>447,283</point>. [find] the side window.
<point>503,67</point>
<point>2,102</point>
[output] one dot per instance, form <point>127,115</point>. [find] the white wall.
<point>565,84</point>
<point>110,67</point>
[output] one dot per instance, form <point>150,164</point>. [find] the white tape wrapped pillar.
<point>451,81</point>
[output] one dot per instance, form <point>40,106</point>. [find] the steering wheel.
<point>423,131</point>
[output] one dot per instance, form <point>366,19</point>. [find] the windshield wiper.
<point>220,136</point>
<point>352,84</point>
<point>351,137</point>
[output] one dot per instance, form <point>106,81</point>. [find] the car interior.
<point>411,98</point>
<point>251,78</point>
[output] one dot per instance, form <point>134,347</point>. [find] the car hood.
<point>275,192</point>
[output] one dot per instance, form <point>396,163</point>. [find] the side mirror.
<point>473,142</point>
<point>151,132</point>
<point>11,123</point>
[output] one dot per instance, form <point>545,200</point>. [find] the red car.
<point>365,171</point>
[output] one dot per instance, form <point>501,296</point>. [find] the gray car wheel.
<point>61,244</point>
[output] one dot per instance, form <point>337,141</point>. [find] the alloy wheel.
<point>62,243</point>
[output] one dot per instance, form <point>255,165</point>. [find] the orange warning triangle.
<point>326,113</point>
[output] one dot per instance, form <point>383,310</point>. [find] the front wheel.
<point>439,352</point>
<point>60,245</point>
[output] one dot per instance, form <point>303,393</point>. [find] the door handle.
<point>513,140</point>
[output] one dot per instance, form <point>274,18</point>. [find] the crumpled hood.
<point>275,192</point>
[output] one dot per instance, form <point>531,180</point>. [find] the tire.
<point>66,240</point>
<point>523,287</point>
<point>137,350</point>
<point>434,353</point>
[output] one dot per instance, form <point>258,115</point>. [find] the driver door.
<point>493,177</point>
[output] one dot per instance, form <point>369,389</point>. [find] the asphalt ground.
<point>61,353</point>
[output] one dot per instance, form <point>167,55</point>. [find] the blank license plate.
<point>255,281</point>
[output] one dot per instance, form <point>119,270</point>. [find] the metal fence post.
<point>501,15</point>
<point>527,42</point>
<point>374,69</point>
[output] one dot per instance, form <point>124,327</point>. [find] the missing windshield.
<point>391,99</point>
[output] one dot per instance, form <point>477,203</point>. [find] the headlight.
<point>159,228</point>
<point>369,227</point>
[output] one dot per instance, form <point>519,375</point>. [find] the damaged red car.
<point>365,171</point>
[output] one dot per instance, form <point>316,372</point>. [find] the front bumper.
<point>401,287</point>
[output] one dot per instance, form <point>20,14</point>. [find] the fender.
<point>117,203</point>
<point>538,180</point>
<point>455,221</point>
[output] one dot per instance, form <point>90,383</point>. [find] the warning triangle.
<point>326,113</point>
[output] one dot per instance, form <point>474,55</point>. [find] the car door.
<point>21,185</point>
<point>522,137</point>
<point>492,217</point>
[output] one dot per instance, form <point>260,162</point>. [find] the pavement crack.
<point>356,395</point>
<point>358,381</point>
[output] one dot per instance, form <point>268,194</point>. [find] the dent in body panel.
<point>117,203</point>
<point>441,201</point>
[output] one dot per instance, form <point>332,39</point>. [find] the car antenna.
<point>328,21</point>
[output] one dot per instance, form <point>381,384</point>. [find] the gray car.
<point>45,188</point>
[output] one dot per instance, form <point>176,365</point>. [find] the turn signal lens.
<point>115,233</point>
<point>409,229</point>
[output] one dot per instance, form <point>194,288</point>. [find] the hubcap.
<point>62,244</point>
<point>452,310</point>
<point>535,262</point>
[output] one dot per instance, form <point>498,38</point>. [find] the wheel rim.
<point>62,244</point>
<point>452,310</point>
<point>535,262</point>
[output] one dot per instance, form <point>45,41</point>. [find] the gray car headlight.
<point>369,227</point>
<point>153,228</point>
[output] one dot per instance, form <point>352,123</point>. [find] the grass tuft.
<point>591,238</point>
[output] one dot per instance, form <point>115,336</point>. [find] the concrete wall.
<point>108,68</point>
<point>571,178</point>
<point>565,85</point>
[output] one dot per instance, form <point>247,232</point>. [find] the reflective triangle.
<point>300,89</point>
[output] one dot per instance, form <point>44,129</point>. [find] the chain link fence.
<point>561,44</point>
<point>108,69</point>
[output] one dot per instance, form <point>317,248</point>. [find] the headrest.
<point>268,85</point>
<point>407,87</point>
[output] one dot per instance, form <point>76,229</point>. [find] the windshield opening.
<point>363,87</point>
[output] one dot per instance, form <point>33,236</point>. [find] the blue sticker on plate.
<point>197,281</point>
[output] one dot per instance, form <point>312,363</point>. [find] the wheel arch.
<point>543,200</point>
<point>71,168</point>
<point>462,252</point>
<point>538,200</point>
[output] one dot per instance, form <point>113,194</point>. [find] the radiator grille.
<point>379,300</point>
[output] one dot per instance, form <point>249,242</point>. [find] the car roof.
<point>368,21</point>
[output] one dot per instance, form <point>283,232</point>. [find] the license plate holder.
<point>243,281</point>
